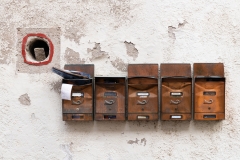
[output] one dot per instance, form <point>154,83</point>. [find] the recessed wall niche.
<point>38,49</point>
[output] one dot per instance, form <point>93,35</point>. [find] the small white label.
<point>143,94</point>
<point>142,117</point>
<point>176,117</point>
<point>77,94</point>
<point>176,94</point>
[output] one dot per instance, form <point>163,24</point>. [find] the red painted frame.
<point>51,49</point>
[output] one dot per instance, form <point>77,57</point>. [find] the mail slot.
<point>176,92</point>
<point>143,92</point>
<point>110,98</point>
<point>209,91</point>
<point>80,105</point>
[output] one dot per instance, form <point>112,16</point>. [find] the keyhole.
<point>209,108</point>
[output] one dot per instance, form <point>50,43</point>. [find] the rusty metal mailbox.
<point>209,91</point>
<point>80,106</point>
<point>110,101</point>
<point>143,92</point>
<point>176,92</point>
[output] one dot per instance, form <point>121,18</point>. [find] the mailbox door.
<point>142,98</point>
<point>110,98</point>
<point>176,96</point>
<point>110,101</point>
<point>209,96</point>
<point>81,100</point>
<point>209,99</point>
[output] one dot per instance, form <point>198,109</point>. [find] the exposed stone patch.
<point>119,64</point>
<point>72,57</point>
<point>171,29</point>
<point>96,51</point>
<point>132,142</point>
<point>25,99</point>
<point>171,33</point>
<point>131,50</point>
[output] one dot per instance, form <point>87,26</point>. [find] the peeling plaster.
<point>72,57</point>
<point>180,25</point>
<point>131,50</point>
<point>171,33</point>
<point>119,64</point>
<point>132,142</point>
<point>121,11</point>
<point>96,52</point>
<point>25,99</point>
<point>144,141</point>
<point>75,33</point>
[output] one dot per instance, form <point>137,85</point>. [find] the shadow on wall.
<point>145,126</point>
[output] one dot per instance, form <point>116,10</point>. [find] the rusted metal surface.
<point>80,107</point>
<point>209,91</point>
<point>143,92</point>
<point>175,70</point>
<point>143,70</point>
<point>110,98</point>
<point>176,92</point>
<point>208,69</point>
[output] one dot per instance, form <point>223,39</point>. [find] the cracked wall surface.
<point>111,34</point>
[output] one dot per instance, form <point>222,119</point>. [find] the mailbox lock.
<point>77,102</point>
<point>175,102</point>
<point>110,102</point>
<point>208,102</point>
<point>142,102</point>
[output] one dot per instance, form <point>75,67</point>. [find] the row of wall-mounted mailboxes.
<point>139,96</point>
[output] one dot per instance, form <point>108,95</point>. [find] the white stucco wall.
<point>110,34</point>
